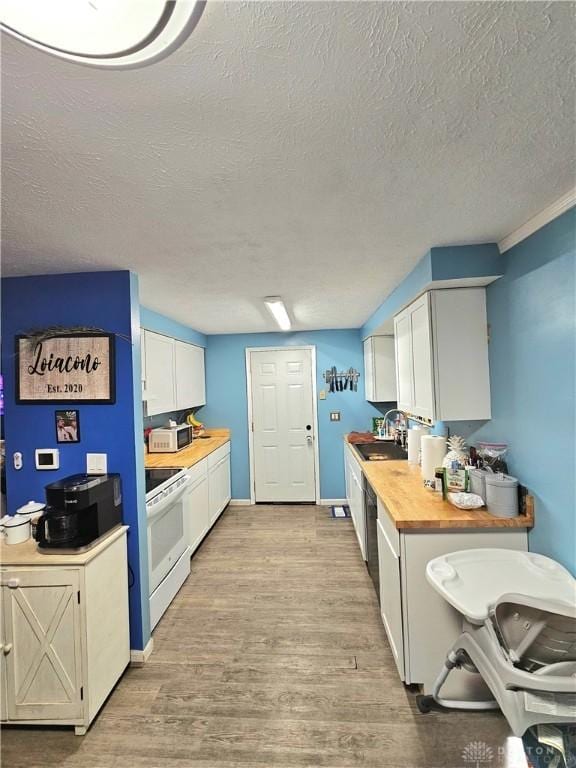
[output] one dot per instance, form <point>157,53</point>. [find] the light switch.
<point>322,394</point>
<point>96,463</point>
<point>334,415</point>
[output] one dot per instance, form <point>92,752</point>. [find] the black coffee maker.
<point>80,509</point>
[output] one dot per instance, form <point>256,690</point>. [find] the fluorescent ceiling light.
<point>117,34</point>
<point>278,311</point>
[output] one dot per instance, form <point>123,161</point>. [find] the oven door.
<point>166,535</point>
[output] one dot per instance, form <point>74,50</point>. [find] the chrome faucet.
<point>402,438</point>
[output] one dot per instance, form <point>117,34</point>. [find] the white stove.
<point>168,550</point>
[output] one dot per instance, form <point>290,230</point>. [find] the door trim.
<point>305,347</point>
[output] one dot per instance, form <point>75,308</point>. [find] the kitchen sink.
<point>381,451</point>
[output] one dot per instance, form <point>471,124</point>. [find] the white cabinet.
<point>197,505</point>
<point>160,389</point>
<point>355,497</point>
<point>390,592</point>
<point>441,347</point>
<point>380,369</point>
<point>64,632</point>
<point>173,374</point>
<point>190,375</point>
<point>218,481</point>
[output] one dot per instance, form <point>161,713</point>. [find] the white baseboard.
<point>332,502</point>
<point>239,502</point>
<point>139,658</point>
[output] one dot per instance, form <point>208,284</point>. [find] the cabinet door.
<point>421,338</point>
<point>219,487</point>
<point>369,370</point>
<point>391,597</point>
<point>160,389</point>
<point>42,625</point>
<point>190,377</point>
<point>404,369</point>
<point>3,688</point>
<point>385,390</point>
<point>198,512</point>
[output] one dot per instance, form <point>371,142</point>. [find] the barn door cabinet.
<point>441,346</point>
<point>173,374</point>
<point>64,632</point>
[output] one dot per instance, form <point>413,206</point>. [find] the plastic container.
<point>502,495</point>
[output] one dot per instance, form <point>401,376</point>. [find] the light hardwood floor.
<point>273,654</point>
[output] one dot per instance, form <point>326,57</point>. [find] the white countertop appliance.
<point>170,439</point>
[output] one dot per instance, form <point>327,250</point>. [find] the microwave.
<point>170,439</point>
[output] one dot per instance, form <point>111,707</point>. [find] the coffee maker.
<point>80,509</point>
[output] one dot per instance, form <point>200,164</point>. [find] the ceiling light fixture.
<point>113,34</point>
<point>278,311</point>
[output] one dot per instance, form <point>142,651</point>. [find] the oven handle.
<point>162,506</point>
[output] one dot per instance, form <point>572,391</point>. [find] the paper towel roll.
<point>414,436</point>
<point>433,451</point>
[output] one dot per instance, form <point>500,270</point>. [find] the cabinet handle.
<point>6,649</point>
<point>13,583</point>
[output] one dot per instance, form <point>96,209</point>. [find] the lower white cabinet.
<point>421,626</point>
<point>218,481</point>
<point>208,495</point>
<point>391,593</point>
<point>355,497</point>
<point>196,505</point>
<point>64,632</point>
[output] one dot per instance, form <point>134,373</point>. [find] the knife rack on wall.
<point>340,381</point>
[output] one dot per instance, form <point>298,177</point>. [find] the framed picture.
<point>67,426</point>
<point>68,368</point>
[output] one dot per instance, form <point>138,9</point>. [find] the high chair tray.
<point>472,581</point>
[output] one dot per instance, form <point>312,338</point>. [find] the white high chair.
<point>518,632</point>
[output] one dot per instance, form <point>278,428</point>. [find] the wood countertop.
<point>187,457</point>
<point>399,486</point>
<point>27,553</point>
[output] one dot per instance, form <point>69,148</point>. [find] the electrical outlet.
<point>334,415</point>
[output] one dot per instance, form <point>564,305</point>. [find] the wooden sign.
<point>75,367</point>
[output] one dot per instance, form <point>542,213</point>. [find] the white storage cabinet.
<point>355,496</point>
<point>380,369</point>
<point>441,349</point>
<point>64,632</point>
<point>173,374</point>
<point>208,495</point>
<point>421,626</point>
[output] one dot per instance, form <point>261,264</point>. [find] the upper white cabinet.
<point>190,375</point>
<point>173,375</point>
<point>159,387</point>
<point>441,342</point>
<point>380,369</point>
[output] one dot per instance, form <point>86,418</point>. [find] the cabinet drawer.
<point>218,455</point>
<point>198,471</point>
<point>392,533</point>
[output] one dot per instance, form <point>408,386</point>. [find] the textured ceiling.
<point>313,150</point>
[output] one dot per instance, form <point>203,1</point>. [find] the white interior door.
<point>283,423</point>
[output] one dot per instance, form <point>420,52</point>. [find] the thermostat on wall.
<point>47,458</point>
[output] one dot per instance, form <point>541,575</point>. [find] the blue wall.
<point>532,316</point>
<point>227,402</point>
<point>154,321</point>
<point>454,262</point>
<point>107,300</point>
